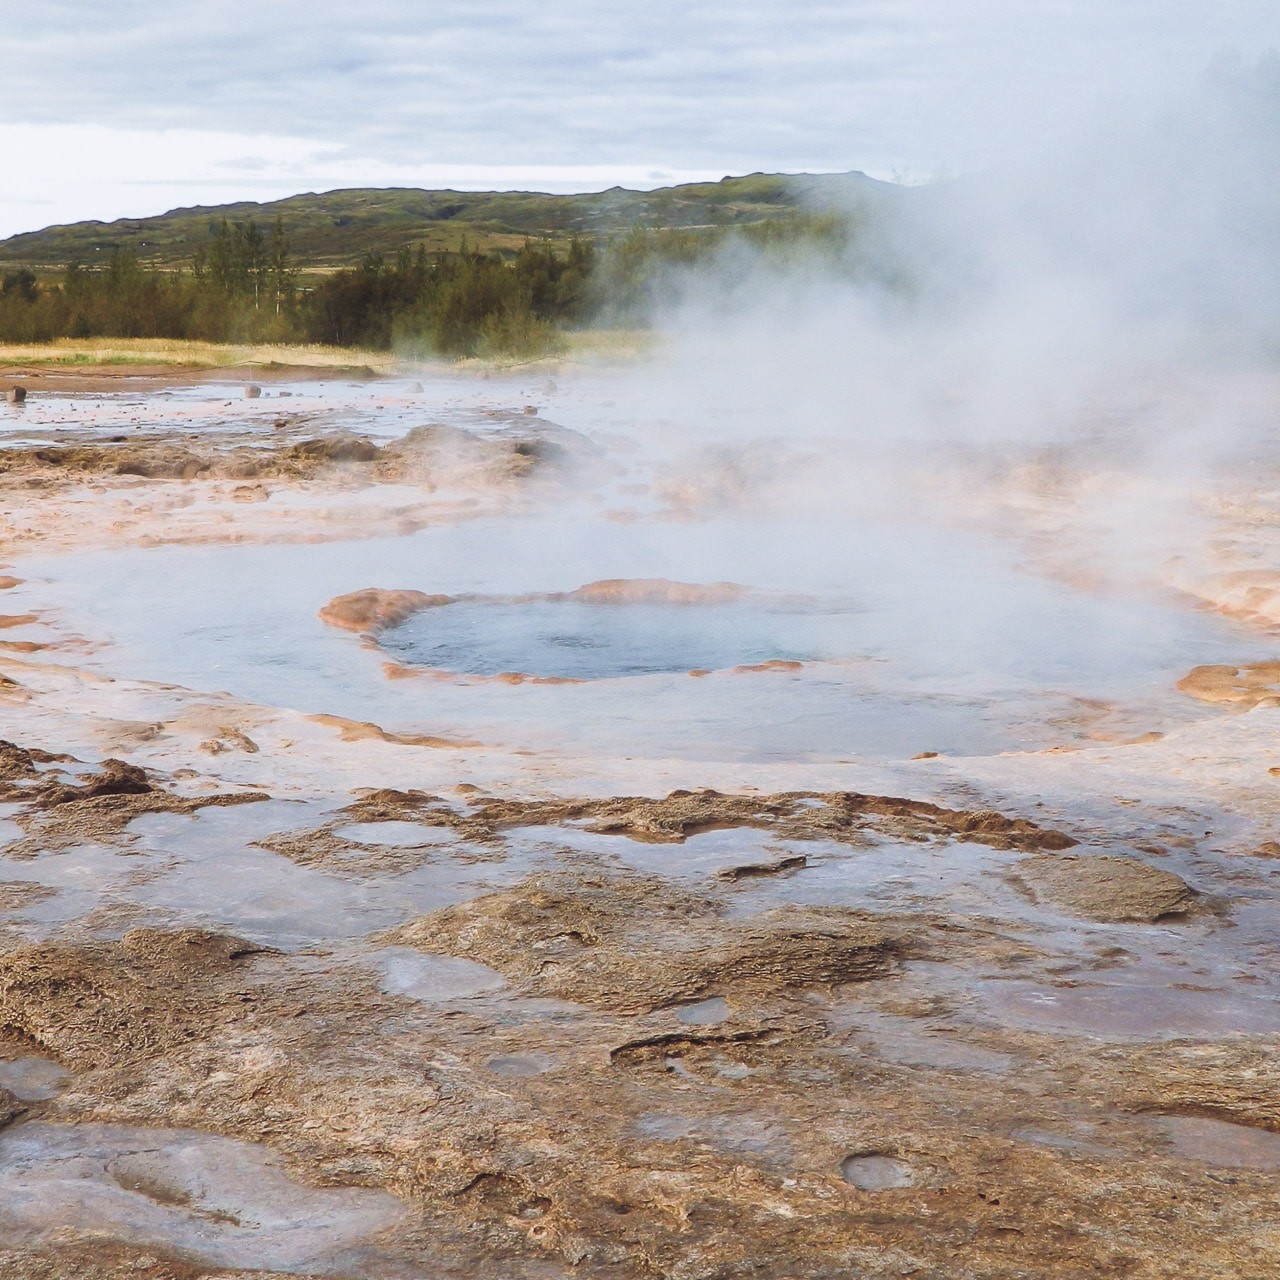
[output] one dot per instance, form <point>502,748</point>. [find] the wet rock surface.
<point>590,1045</point>
<point>373,609</point>
<point>64,806</point>
<point>634,944</point>
<point>287,992</point>
<point>434,454</point>
<point>211,1199</point>
<point>1107,888</point>
<point>843,815</point>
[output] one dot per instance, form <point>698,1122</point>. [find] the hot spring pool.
<point>925,643</point>
<point>594,641</point>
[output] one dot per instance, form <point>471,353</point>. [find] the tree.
<point>283,277</point>
<point>20,285</point>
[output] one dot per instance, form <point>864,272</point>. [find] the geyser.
<point>609,630</point>
<point>575,641</point>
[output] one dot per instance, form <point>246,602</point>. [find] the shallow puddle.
<point>876,1173</point>
<point>430,978</point>
<point>703,1013</point>
<point>33,1079</point>
<point>1078,1137</point>
<point>745,1133</point>
<point>204,871</point>
<point>911,1043</point>
<point>1218,1142</point>
<point>522,1066</point>
<point>226,1203</point>
<point>1142,1011</point>
<point>396,835</point>
<point>81,879</point>
<point>209,872</point>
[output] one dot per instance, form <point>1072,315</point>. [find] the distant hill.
<point>337,228</point>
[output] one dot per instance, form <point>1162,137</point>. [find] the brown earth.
<point>843,816</point>
<point>635,944</point>
<point>652,591</point>
<point>140,377</point>
<point>627,1145</point>
<point>802,815</point>
<point>10,1108</point>
<point>1256,684</point>
<point>581,1117</point>
<point>375,609</point>
<point>430,456</point>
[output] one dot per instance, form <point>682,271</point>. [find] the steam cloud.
<point>1115,303</point>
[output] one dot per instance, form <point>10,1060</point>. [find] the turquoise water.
<point>606,641</point>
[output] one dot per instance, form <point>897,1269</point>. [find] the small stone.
<point>10,1107</point>
<point>252,391</point>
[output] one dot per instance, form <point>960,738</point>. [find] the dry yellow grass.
<point>608,345</point>
<point>580,347</point>
<point>588,346</point>
<point>210,355</point>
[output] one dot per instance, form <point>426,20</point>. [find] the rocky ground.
<point>286,993</point>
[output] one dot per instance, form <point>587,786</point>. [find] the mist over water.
<point>572,640</point>
<point>1099,326</point>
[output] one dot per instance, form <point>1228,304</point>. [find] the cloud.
<point>722,86</point>
<point>739,84</point>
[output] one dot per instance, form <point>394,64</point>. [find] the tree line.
<point>244,286</point>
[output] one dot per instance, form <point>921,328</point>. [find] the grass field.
<point>592,346</point>
<point>76,352</point>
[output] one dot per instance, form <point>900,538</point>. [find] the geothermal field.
<point>644,821</point>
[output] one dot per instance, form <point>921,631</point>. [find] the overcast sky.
<point>132,107</point>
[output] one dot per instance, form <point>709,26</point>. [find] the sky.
<point>137,106</point>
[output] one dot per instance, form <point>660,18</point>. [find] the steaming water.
<point>601,641</point>
<point>924,640</point>
<point>928,642</point>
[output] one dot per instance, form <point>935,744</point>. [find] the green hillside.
<point>338,228</point>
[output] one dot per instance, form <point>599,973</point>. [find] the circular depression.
<point>572,640</point>
<point>603,631</point>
